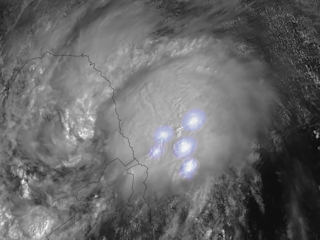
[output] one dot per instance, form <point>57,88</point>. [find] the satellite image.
<point>159,120</point>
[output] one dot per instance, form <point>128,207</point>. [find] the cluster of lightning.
<point>183,147</point>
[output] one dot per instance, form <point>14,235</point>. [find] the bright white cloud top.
<point>193,120</point>
<point>188,168</point>
<point>184,147</point>
<point>156,151</point>
<point>163,134</point>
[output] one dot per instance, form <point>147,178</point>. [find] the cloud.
<point>155,81</point>
<point>229,91</point>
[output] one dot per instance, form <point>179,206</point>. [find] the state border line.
<point>92,64</point>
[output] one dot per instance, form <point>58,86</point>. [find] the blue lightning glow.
<point>188,168</point>
<point>193,120</point>
<point>184,147</point>
<point>163,134</point>
<point>156,151</point>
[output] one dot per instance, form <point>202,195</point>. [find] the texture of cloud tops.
<point>193,86</point>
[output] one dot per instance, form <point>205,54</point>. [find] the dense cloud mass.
<point>84,110</point>
<point>154,83</point>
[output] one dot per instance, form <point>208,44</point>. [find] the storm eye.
<point>193,120</point>
<point>188,168</point>
<point>156,151</point>
<point>184,147</point>
<point>163,134</point>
